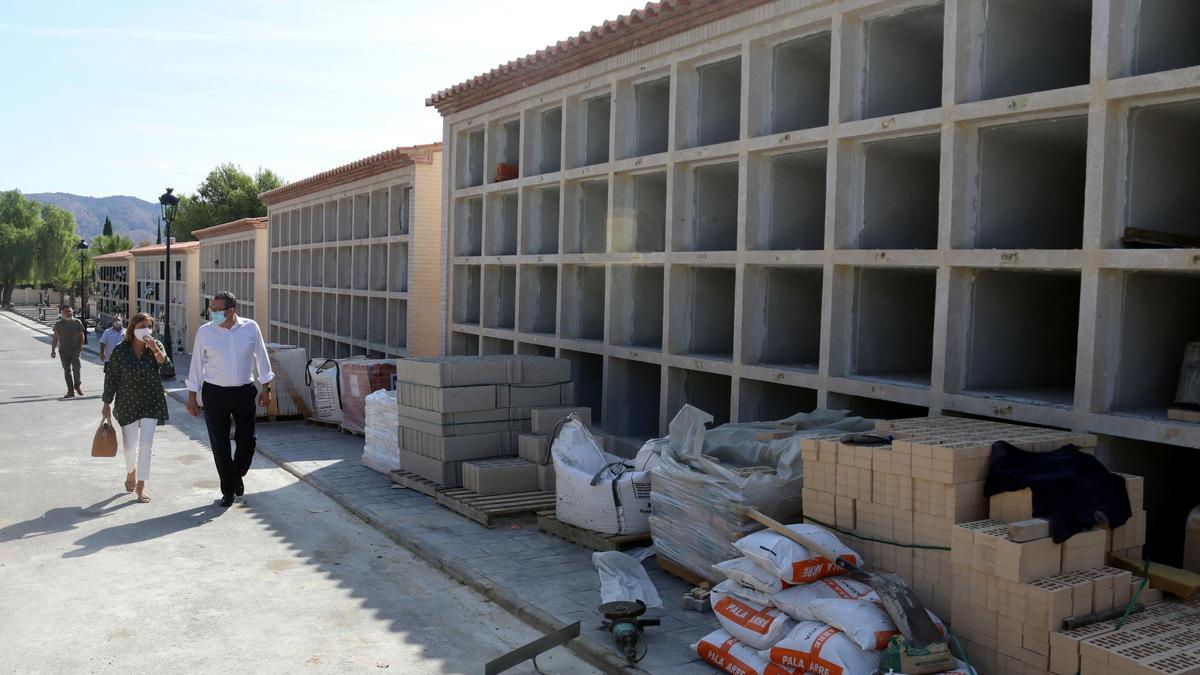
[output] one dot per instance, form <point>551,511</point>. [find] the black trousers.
<point>70,364</point>
<point>219,404</point>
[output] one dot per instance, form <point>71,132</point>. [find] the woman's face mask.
<point>142,333</point>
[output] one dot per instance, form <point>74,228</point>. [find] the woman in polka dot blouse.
<point>132,378</point>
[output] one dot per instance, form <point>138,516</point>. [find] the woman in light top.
<point>132,377</point>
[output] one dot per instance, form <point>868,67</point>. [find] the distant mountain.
<point>132,217</point>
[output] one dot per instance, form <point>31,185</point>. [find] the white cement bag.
<point>792,562</point>
<point>622,578</point>
<point>595,490</point>
<point>722,650</point>
<point>813,647</point>
<point>744,592</point>
<point>795,601</point>
<point>863,621</point>
<point>749,573</point>
<point>755,625</point>
<point>322,377</point>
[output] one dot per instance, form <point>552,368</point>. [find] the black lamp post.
<point>170,205</point>
<point>82,246</point>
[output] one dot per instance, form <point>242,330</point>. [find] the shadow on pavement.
<point>61,519</point>
<point>145,530</point>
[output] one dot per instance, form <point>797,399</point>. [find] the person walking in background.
<point>70,335</point>
<point>112,337</point>
<point>132,377</point>
<point>224,355</point>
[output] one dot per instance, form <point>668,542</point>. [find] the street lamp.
<point>82,246</point>
<point>170,206</point>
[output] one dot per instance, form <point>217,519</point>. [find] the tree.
<point>36,242</point>
<point>107,227</point>
<point>227,194</point>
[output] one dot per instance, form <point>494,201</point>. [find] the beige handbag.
<point>104,443</point>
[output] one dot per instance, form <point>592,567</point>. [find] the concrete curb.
<point>592,651</point>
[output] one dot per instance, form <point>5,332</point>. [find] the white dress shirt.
<point>111,338</point>
<point>226,356</point>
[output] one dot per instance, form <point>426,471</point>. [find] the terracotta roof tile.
<point>347,173</point>
<point>160,249</point>
<point>654,22</point>
<point>115,255</point>
<point>233,227</point>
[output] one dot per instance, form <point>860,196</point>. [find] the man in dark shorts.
<point>70,336</point>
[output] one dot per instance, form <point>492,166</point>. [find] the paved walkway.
<point>541,578</point>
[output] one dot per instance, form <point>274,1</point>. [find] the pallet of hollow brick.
<point>455,409</point>
<point>897,503</point>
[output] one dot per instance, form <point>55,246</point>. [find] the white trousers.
<point>138,439</point>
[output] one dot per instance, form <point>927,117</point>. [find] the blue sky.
<point>127,97</point>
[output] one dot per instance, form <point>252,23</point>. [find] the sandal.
<point>129,482</point>
<point>143,499</point>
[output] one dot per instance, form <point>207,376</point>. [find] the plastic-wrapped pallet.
<point>360,377</point>
<point>380,449</point>
<point>289,394</point>
<point>700,490</point>
<point>595,490</point>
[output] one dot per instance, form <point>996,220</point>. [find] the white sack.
<point>863,621</point>
<point>795,601</point>
<point>749,573</point>
<point>792,562</point>
<point>595,490</point>
<point>813,647</point>
<point>622,577</point>
<point>724,652</point>
<point>755,625</point>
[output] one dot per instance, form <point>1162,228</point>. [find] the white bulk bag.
<point>595,490</point>
<point>323,379</point>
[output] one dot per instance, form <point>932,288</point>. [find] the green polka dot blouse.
<point>136,385</point>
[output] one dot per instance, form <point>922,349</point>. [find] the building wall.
<point>896,207</point>
<point>238,263</point>
<point>186,307</point>
<point>425,271</point>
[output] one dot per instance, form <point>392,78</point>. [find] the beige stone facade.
<point>152,275</point>
<point>232,257</point>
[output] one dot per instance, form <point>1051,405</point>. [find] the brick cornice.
<point>114,256</point>
<point>160,249</point>
<point>388,160</point>
<point>658,20</point>
<point>233,227</point>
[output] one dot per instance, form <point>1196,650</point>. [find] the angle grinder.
<point>623,619</point>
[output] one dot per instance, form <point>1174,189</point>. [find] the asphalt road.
<point>285,581</point>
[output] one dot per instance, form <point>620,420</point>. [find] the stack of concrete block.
<point>455,409</point>
<point>500,476</point>
<point>535,446</point>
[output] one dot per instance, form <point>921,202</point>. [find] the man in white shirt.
<point>111,338</point>
<point>224,356</point>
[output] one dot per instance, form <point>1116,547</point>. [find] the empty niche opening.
<point>1020,348</point>
<point>464,344</point>
<point>541,232</point>
<point>707,391</point>
<point>900,197</point>
<point>305,268</point>
<point>318,229</point>
<point>637,306</point>
<point>587,375</point>
<point>597,112</point>
<point>874,408</point>
<point>800,84</point>
<point>294,227</point>
<point>466,293</point>
<point>470,158</point>
<point>589,230</point>
<point>497,346</point>
<point>500,298</point>
<point>346,219</point>
<point>1031,185</point>
<point>531,349</point>
<point>397,323</point>
<point>397,268</point>
<point>633,398</point>
<point>502,225</point>
<point>1167,36</point>
<point>401,211</point>
<point>583,302</point>
<point>345,269</point>
<point>793,216</point>
<point>362,216</point>
<point>318,267</point>
<point>550,141</point>
<point>539,295</point>
<point>1164,204</point>
<point>379,213</point>
<point>316,321</point>
<point>720,104</point>
<point>714,206</point>
<point>377,320</point>
<point>768,401</point>
<point>305,226</point>
<point>702,311</point>
<point>893,325</point>
<point>469,218</point>
<point>1035,46</point>
<point>379,267</point>
<point>508,150</point>
<point>359,316</point>
<point>331,220</point>
<point>1160,315</point>
<point>1171,470</point>
<point>641,224</point>
<point>904,62</point>
<point>782,324</point>
<point>652,101</point>
<point>362,267</point>
<point>331,268</point>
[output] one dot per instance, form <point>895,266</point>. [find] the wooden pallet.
<point>679,571</point>
<point>322,423</point>
<point>488,509</point>
<point>415,483</point>
<point>596,541</point>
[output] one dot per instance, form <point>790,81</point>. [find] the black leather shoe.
<point>227,500</point>
<point>241,488</point>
